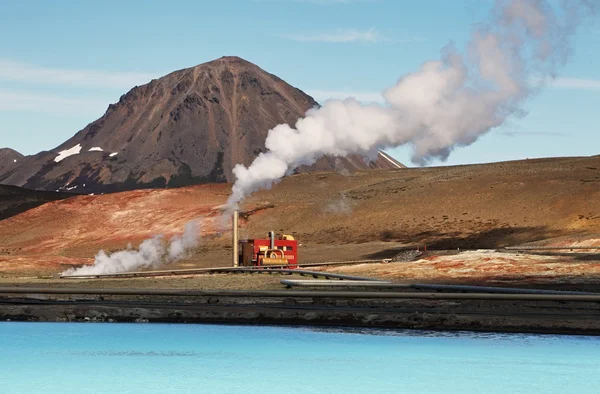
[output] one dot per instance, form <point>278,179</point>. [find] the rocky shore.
<point>475,315</point>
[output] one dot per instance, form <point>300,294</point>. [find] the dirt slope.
<point>485,205</point>
<point>367,214</point>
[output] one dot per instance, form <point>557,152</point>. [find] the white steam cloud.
<point>342,206</point>
<point>446,103</point>
<point>151,253</point>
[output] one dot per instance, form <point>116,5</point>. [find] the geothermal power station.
<point>220,193</point>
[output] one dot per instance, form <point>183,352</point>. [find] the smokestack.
<point>235,237</point>
<point>272,239</point>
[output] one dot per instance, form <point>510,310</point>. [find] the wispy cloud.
<point>576,83</point>
<point>330,2</point>
<point>339,36</point>
<point>376,97</point>
<point>45,103</point>
<point>317,2</point>
<point>24,72</point>
<point>533,133</point>
<point>365,97</point>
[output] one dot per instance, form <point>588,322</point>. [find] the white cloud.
<point>576,83</point>
<point>24,72</point>
<point>33,102</point>
<point>318,2</point>
<point>339,36</point>
<point>376,97</point>
<point>329,2</point>
<point>365,97</point>
<point>533,133</point>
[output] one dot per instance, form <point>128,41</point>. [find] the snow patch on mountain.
<point>68,152</point>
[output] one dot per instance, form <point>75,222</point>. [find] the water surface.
<point>165,358</point>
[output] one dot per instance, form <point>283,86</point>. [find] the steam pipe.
<point>235,237</point>
<point>224,270</point>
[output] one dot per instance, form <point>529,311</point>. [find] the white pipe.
<point>235,238</point>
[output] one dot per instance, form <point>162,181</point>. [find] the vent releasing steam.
<point>151,253</point>
<point>447,103</point>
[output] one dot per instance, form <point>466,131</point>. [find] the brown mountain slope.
<point>367,214</point>
<point>9,159</point>
<point>188,127</point>
<point>15,200</point>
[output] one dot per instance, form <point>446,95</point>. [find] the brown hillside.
<point>368,213</point>
<point>9,159</point>
<point>15,200</point>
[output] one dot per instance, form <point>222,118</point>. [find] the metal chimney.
<point>271,239</point>
<point>235,238</point>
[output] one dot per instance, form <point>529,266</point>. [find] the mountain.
<point>9,159</point>
<point>15,200</point>
<point>191,126</point>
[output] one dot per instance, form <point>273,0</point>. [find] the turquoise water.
<point>165,358</point>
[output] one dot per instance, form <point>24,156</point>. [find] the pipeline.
<point>192,271</point>
<point>517,248</point>
<point>314,274</point>
<point>224,270</point>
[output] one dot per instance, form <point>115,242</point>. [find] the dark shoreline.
<point>506,316</point>
<point>326,328</point>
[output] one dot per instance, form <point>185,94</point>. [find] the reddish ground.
<point>487,267</point>
<point>335,217</point>
<point>72,231</point>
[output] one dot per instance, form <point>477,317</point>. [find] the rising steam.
<point>447,103</point>
<point>342,205</point>
<point>151,253</point>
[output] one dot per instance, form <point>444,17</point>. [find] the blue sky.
<point>62,63</point>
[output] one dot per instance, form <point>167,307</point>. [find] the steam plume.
<point>446,103</point>
<point>151,253</point>
<point>339,206</point>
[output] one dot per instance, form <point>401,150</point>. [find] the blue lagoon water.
<point>165,358</point>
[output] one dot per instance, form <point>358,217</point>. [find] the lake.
<point>187,358</point>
